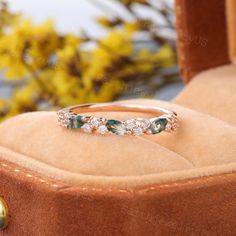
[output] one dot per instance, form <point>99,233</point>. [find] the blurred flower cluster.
<point>47,69</point>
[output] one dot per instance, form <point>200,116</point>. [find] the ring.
<point>72,118</point>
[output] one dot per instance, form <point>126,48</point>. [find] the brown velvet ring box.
<point>59,183</point>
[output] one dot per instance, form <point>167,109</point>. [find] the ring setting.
<point>72,118</point>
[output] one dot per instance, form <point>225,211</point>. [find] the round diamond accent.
<point>138,131</point>
<point>168,127</point>
<point>95,122</point>
<point>87,128</point>
<point>130,124</point>
<point>137,126</point>
<point>102,129</point>
<point>145,124</point>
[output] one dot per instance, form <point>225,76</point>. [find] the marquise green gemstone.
<point>158,125</point>
<point>77,122</point>
<point>116,127</point>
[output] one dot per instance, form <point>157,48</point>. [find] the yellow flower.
<point>165,56</point>
<point>117,42</point>
<point>45,40</point>
<point>107,91</point>
<point>27,45</point>
<point>104,21</point>
<point>131,27</point>
<point>72,40</point>
<point>3,103</point>
<point>137,26</point>
<point>12,48</point>
<point>145,61</point>
<point>109,49</point>
<point>129,2</point>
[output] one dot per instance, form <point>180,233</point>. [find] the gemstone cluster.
<point>136,126</point>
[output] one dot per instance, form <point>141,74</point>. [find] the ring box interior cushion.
<point>66,182</point>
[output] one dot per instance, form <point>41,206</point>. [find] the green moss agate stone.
<point>116,127</point>
<point>158,125</point>
<point>76,122</point>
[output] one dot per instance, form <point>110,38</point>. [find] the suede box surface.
<point>60,182</point>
